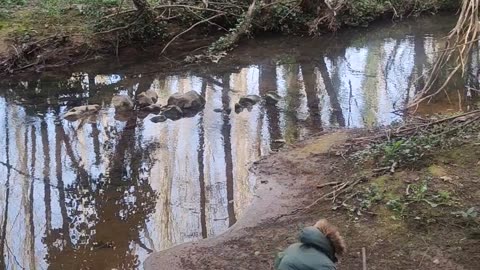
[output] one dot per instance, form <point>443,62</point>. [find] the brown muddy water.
<point>105,192</point>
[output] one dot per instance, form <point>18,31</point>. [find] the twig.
<point>169,7</point>
<point>349,197</point>
<point>364,259</point>
<point>117,28</point>
<point>338,190</point>
<point>424,255</point>
<point>382,169</point>
<point>212,23</point>
<point>407,130</point>
<point>192,7</point>
<point>392,168</point>
<point>188,29</point>
<point>328,184</point>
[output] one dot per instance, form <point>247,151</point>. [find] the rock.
<point>122,116</point>
<point>159,118</point>
<point>144,100</point>
<point>152,94</point>
<point>190,100</point>
<point>81,112</point>
<point>142,114</point>
<point>446,178</point>
<point>238,108</point>
<point>249,100</point>
<point>154,108</point>
<point>246,102</point>
<point>272,98</point>
<point>122,103</point>
<point>173,112</point>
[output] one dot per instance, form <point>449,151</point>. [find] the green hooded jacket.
<point>314,252</point>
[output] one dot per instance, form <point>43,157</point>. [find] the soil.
<point>422,237</point>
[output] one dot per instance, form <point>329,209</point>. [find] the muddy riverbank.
<point>426,235</point>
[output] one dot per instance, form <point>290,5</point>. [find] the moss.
<point>437,171</point>
<point>390,185</point>
<point>389,222</point>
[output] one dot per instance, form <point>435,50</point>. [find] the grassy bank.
<point>416,198</point>
<point>50,33</point>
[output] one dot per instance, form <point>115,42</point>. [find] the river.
<point>106,191</point>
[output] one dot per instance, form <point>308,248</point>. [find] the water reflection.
<point>104,192</point>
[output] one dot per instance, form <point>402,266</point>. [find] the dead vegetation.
<point>455,56</point>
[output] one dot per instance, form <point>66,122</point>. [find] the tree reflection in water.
<point>104,192</point>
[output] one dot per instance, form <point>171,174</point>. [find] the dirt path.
<point>423,237</point>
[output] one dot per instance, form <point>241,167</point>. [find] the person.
<point>318,249</point>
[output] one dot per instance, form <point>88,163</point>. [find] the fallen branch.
<point>337,191</point>
<point>166,7</point>
<point>228,41</point>
<point>328,184</point>
<point>407,129</point>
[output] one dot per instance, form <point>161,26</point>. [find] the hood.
<point>314,237</point>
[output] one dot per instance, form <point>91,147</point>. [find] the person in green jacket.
<point>318,249</point>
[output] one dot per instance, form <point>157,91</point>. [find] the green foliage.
<point>410,151</point>
<point>470,214</point>
<point>370,196</point>
<point>402,152</point>
<point>89,8</point>
<point>417,194</point>
<point>362,12</point>
<point>288,18</point>
<point>415,200</point>
<point>10,3</point>
<point>397,206</point>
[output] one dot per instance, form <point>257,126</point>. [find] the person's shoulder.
<point>294,246</point>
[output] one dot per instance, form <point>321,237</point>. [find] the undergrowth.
<point>107,25</point>
<point>404,182</point>
<point>412,151</point>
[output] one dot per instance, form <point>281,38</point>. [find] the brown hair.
<point>331,232</point>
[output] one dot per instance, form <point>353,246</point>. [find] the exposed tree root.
<point>39,53</point>
<point>458,47</point>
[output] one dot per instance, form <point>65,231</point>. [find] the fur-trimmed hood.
<point>317,249</point>
<point>312,236</point>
